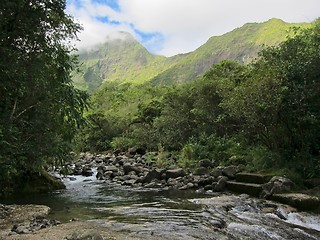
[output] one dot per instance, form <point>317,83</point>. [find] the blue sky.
<point>169,27</point>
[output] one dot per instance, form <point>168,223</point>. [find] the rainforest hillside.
<point>122,59</point>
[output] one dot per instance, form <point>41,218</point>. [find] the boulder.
<point>202,171</point>
<point>77,170</point>
<point>217,172</point>
<point>175,173</point>
<point>230,172</point>
<point>99,175</point>
<point>87,172</point>
<point>221,184</point>
<point>206,181</point>
<point>277,185</point>
<point>127,168</point>
<point>154,174</point>
<point>111,168</point>
<point>206,163</point>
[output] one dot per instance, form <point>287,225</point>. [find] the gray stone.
<point>221,184</point>
<point>277,185</point>
<point>112,169</point>
<point>87,172</point>
<point>175,173</point>
<point>217,172</point>
<point>298,200</point>
<point>127,168</point>
<point>230,172</point>
<point>152,175</point>
<point>206,181</point>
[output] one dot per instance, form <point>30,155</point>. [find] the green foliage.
<point>221,150</point>
<point>278,105</point>
<point>97,134</point>
<point>39,107</point>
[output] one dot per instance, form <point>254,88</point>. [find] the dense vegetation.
<point>39,107</point>
<point>265,115</point>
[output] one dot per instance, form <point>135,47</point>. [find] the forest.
<point>264,115</point>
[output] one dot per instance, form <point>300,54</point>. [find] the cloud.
<point>170,27</point>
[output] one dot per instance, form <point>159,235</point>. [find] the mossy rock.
<point>40,182</point>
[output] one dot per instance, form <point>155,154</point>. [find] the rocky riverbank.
<point>24,222</point>
<point>137,169</point>
<point>223,213</point>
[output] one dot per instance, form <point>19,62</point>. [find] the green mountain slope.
<point>241,44</point>
<point>121,58</point>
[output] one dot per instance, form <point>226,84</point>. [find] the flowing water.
<point>164,214</point>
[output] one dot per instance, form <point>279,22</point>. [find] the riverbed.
<point>174,214</point>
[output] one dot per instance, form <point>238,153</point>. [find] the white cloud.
<point>185,24</point>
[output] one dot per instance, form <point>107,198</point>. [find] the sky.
<point>170,27</point>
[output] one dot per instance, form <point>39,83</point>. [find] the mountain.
<point>121,58</point>
<point>242,44</point>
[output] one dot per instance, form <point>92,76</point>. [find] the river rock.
<point>175,173</point>
<point>202,171</point>
<point>154,174</point>
<point>137,150</point>
<point>77,170</point>
<point>277,185</point>
<point>230,172</point>
<point>206,181</point>
<point>206,163</point>
<point>87,172</point>
<point>221,184</point>
<point>299,200</point>
<point>111,168</point>
<point>99,175</point>
<point>4,211</point>
<point>218,223</point>
<point>217,172</point>
<point>127,168</point>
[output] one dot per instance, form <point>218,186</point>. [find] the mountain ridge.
<point>123,59</point>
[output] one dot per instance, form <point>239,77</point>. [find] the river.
<point>175,214</point>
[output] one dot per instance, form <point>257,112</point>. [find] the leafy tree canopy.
<point>39,107</point>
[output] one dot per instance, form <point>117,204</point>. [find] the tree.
<point>298,60</point>
<point>278,104</point>
<point>39,106</point>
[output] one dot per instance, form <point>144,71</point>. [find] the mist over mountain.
<point>121,58</point>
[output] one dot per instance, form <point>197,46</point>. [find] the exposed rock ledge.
<point>13,217</point>
<point>298,200</point>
